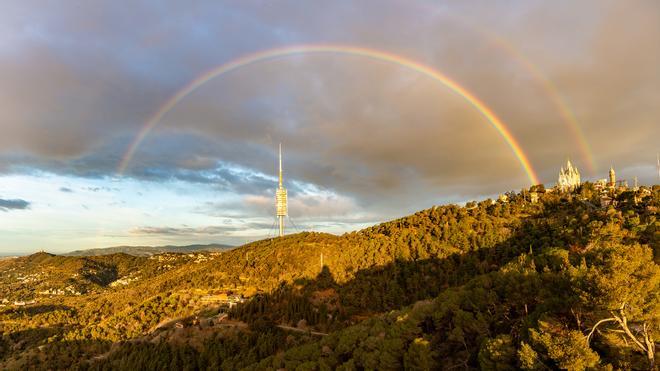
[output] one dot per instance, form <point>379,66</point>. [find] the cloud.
<point>310,205</point>
<point>17,204</point>
<point>377,136</point>
<point>66,190</point>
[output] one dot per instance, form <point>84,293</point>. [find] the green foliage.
<point>494,285</point>
<point>498,353</point>
<point>567,349</point>
<point>419,355</point>
<point>529,359</point>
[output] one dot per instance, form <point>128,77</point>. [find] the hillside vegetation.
<point>562,283</point>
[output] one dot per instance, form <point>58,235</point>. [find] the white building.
<point>569,178</point>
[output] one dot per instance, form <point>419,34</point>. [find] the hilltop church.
<point>569,178</point>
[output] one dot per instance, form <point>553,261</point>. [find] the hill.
<point>149,250</point>
<point>569,282</point>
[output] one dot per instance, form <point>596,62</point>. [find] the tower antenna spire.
<point>280,198</point>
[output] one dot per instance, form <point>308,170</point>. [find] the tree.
<point>567,349</point>
<point>498,354</point>
<point>621,290</point>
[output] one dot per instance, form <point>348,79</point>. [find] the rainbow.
<point>552,92</point>
<point>549,88</point>
<point>260,56</point>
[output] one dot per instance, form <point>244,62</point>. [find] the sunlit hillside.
<point>494,284</point>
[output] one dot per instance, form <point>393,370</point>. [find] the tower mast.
<point>280,199</point>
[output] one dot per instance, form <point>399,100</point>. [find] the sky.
<point>365,139</point>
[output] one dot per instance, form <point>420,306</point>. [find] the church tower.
<point>280,199</point>
<point>612,177</point>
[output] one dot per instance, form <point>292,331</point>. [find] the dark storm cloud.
<point>17,204</point>
<point>79,82</point>
<point>74,77</point>
<point>164,157</point>
<point>195,159</point>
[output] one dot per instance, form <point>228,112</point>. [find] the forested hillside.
<point>567,282</point>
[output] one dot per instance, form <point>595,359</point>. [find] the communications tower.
<point>280,199</point>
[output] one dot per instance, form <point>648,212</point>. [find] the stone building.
<point>569,178</point>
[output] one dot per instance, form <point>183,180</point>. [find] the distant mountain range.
<point>149,250</point>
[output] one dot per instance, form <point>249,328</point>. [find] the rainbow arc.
<point>374,54</point>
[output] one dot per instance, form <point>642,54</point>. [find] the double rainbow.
<point>532,69</point>
<point>553,94</point>
<point>425,70</point>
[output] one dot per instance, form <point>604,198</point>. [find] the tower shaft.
<point>281,220</point>
<point>281,198</point>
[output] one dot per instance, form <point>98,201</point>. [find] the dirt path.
<point>289,328</point>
